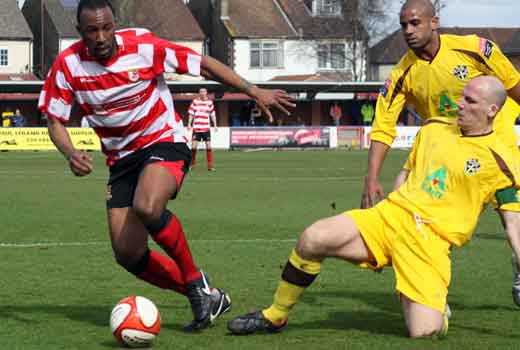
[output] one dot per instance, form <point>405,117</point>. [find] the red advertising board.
<point>280,137</point>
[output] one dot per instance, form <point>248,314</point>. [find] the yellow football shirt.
<point>6,119</point>
<point>452,177</point>
<point>435,87</point>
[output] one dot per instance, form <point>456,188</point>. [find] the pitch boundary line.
<point>94,243</point>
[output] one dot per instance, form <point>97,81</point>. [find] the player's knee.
<point>424,331</point>
<point>311,241</point>
<point>134,262</point>
<point>147,210</point>
<point>124,259</point>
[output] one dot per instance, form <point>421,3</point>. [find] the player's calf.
<point>516,280</point>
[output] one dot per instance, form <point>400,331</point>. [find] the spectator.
<point>367,111</point>
<point>255,113</point>
<point>245,113</point>
<point>18,119</point>
<point>7,118</point>
<point>335,113</point>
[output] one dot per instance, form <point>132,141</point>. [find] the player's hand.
<point>266,99</point>
<point>80,163</point>
<point>372,193</point>
<point>215,129</point>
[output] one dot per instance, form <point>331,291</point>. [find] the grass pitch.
<point>59,280</point>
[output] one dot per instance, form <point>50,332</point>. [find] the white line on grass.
<point>90,243</point>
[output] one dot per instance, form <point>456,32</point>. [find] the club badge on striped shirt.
<point>133,75</point>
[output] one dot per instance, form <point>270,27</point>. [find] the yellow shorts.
<point>419,257</point>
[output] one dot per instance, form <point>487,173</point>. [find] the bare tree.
<point>369,20</point>
<point>366,21</point>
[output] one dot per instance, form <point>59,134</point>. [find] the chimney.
<point>224,9</point>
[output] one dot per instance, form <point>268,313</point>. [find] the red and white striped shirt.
<point>201,111</point>
<point>126,99</point>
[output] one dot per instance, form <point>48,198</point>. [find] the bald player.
<point>416,227</point>
<point>431,77</point>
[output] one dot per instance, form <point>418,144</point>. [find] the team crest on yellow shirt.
<point>472,166</point>
<point>133,75</point>
<point>461,71</point>
<point>435,183</point>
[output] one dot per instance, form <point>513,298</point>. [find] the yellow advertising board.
<point>36,139</point>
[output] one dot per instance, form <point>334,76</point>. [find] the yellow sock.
<point>302,273</point>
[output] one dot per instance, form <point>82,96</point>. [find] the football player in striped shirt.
<point>117,79</point>
<point>431,77</point>
<point>414,229</point>
<point>200,116</point>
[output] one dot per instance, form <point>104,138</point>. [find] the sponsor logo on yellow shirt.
<point>435,183</point>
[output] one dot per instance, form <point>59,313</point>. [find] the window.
<point>331,56</point>
<point>4,57</point>
<point>266,55</point>
<point>327,8</point>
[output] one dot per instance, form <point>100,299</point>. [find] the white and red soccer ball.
<point>135,321</point>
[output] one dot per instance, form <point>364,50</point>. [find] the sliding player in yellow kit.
<point>414,229</point>
<point>431,77</point>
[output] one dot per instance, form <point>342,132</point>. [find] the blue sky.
<point>476,13</point>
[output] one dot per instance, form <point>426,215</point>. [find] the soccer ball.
<point>135,321</point>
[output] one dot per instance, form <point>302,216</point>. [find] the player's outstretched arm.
<point>265,98</point>
<point>512,225</point>
<point>514,93</point>
<point>80,163</point>
<point>373,190</point>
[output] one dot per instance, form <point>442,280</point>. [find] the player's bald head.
<point>492,89</point>
<point>424,7</point>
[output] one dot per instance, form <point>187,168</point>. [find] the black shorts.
<point>201,136</point>
<point>124,174</point>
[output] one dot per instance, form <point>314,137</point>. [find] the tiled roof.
<point>320,76</point>
<point>13,24</point>
<point>64,19</point>
<point>512,46</point>
<point>169,19</point>
<point>310,26</point>
<point>257,19</point>
<point>18,77</point>
<point>393,47</point>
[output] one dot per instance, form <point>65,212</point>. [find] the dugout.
<point>312,109</point>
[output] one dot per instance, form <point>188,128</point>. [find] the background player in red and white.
<point>201,114</point>
<point>116,77</point>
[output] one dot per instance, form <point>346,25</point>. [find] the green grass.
<point>60,297</point>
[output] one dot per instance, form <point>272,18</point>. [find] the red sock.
<point>163,272</point>
<point>173,241</point>
<point>193,156</point>
<point>209,154</point>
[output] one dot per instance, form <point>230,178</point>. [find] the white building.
<point>266,39</point>
<point>16,41</point>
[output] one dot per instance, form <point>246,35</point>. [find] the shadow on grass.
<point>491,236</point>
<point>455,305</point>
<point>386,319</point>
<point>366,321</point>
<point>383,301</point>
<point>97,315</point>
